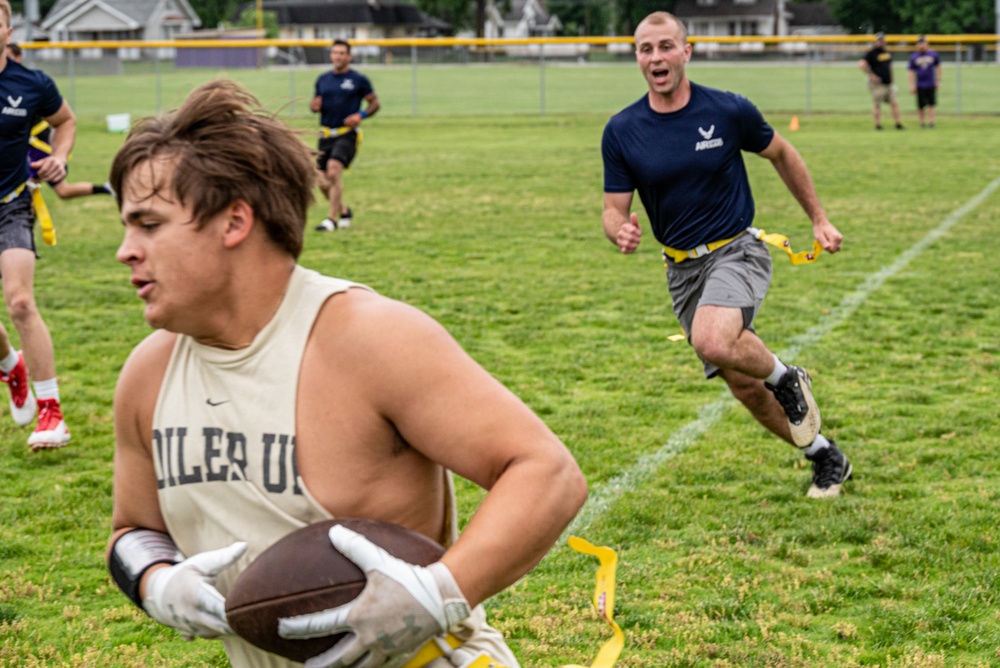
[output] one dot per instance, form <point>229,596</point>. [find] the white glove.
<point>401,607</point>
<point>183,596</point>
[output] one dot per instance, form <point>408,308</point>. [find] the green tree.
<point>248,19</point>
<point>43,7</point>
<point>948,16</point>
<point>211,12</point>
<point>867,16</point>
<point>459,13</point>
<point>915,16</point>
<point>215,12</point>
<point>582,17</point>
<point>628,13</point>
<point>456,12</point>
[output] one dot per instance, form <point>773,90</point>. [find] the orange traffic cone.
<point>794,125</point>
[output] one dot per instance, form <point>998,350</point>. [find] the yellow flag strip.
<point>604,600</point>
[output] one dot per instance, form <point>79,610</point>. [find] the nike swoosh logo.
<point>216,403</point>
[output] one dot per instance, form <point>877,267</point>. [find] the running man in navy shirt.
<point>338,98</point>
<point>680,146</point>
<point>42,147</point>
<point>25,94</point>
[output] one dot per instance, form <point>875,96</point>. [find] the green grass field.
<point>490,223</point>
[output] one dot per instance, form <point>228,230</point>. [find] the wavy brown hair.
<point>225,147</point>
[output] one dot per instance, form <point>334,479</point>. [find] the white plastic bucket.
<point>119,122</point>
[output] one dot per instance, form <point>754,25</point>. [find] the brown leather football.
<point>303,573</point>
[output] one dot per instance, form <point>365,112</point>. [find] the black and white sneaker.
<point>831,469</point>
<point>794,392</point>
<point>345,219</point>
<point>326,226</point>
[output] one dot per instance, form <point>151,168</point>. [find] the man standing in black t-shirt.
<point>877,64</point>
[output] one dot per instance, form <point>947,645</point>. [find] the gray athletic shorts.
<point>736,275</point>
<point>17,224</point>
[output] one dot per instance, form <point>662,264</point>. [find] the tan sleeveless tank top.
<point>224,442</point>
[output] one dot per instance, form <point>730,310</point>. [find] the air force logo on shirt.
<point>707,141</point>
<point>347,84</point>
<point>13,109</point>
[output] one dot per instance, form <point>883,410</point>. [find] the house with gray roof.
<point>733,18</point>
<point>520,18</point>
<point>752,18</point>
<point>349,19</point>
<point>813,18</point>
<point>87,20</point>
<point>113,20</point>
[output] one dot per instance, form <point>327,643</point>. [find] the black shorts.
<point>17,224</point>
<point>341,148</point>
<point>926,97</point>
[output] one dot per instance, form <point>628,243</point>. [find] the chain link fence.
<point>476,76</point>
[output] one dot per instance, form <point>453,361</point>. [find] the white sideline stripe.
<point>607,494</point>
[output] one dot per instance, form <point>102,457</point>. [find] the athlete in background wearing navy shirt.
<point>680,146</point>
<point>338,101</point>
<point>25,94</point>
<point>44,134</point>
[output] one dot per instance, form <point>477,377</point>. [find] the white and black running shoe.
<point>831,469</point>
<point>794,392</point>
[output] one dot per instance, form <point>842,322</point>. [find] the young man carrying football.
<point>270,397</point>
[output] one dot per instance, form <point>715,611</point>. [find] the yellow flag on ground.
<point>604,600</point>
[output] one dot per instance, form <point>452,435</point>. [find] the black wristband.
<point>134,553</point>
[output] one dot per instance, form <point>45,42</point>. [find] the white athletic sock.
<point>47,389</point>
<point>817,445</point>
<point>9,362</point>
<point>779,371</point>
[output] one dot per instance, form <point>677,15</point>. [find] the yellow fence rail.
<point>193,42</point>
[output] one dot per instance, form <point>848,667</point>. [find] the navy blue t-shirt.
<point>342,95</point>
<point>687,165</point>
<point>24,95</point>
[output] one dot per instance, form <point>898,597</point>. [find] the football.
<point>303,573</point>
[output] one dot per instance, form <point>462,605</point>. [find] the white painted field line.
<point>604,496</point>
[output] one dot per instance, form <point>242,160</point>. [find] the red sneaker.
<point>51,431</point>
<point>22,399</point>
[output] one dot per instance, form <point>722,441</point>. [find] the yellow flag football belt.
<point>40,145</point>
<point>779,241</point>
<point>678,255</point>
<point>42,213</point>
<point>782,242</point>
<point>41,210</point>
<point>432,650</point>
<point>604,603</point>
<point>437,648</point>
<point>326,132</point>
<point>604,600</point>
<point>13,194</point>
<point>39,127</point>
